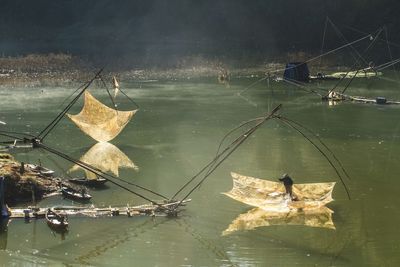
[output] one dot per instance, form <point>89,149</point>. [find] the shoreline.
<point>56,70</point>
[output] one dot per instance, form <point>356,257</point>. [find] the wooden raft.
<point>92,211</point>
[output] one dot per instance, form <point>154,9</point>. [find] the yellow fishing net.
<point>271,196</point>
<point>320,217</point>
<point>99,121</point>
<point>105,157</point>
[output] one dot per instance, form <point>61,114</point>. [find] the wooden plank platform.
<point>360,99</point>
<point>92,211</point>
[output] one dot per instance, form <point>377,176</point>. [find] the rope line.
<point>76,90</point>
<point>57,119</point>
<point>130,99</point>
<point>323,153</point>
<point>341,35</point>
<point>108,92</point>
<point>323,41</point>
<point>307,61</point>
<point>101,174</point>
<point>365,51</point>
<point>302,87</point>
<point>347,73</point>
<point>362,32</point>
<point>217,156</point>
<point>320,140</point>
<point>329,52</point>
<point>216,162</point>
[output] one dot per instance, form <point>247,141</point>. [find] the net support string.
<point>108,92</point>
<point>57,119</point>
<point>323,41</point>
<point>16,135</point>
<point>319,140</point>
<point>390,51</point>
<point>329,52</point>
<point>319,149</point>
<point>130,99</point>
<point>341,35</point>
<point>347,73</point>
<point>76,90</point>
<point>380,39</point>
<point>307,61</point>
<point>217,154</point>
<point>217,161</point>
<point>365,51</point>
<point>100,174</point>
<point>302,87</point>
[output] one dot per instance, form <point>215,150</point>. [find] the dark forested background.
<point>150,31</point>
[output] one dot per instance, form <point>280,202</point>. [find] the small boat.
<point>56,221</point>
<point>39,169</point>
<point>79,195</point>
<point>89,182</point>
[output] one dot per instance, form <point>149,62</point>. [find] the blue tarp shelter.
<point>296,71</point>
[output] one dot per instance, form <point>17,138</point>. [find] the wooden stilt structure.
<point>94,212</point>
<point>4,213</point>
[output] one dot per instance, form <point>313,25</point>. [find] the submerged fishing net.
<point>271,196</point>
<point>105,157</point>
<point>99,121</point>
<point>320,217</point>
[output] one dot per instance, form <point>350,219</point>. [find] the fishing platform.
<point>162,209</point>
<point>337,97</point>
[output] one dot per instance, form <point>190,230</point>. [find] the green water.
<point>175,133</point>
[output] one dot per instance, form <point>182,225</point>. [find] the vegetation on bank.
<point>40,70</point>
<point>23,185</point>
<point>63,70</point>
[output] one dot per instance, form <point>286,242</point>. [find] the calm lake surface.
<point>175,133</point>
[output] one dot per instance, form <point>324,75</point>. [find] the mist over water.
<point>174,134</point>
<point>183,116</point>
<point>163,33</point>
